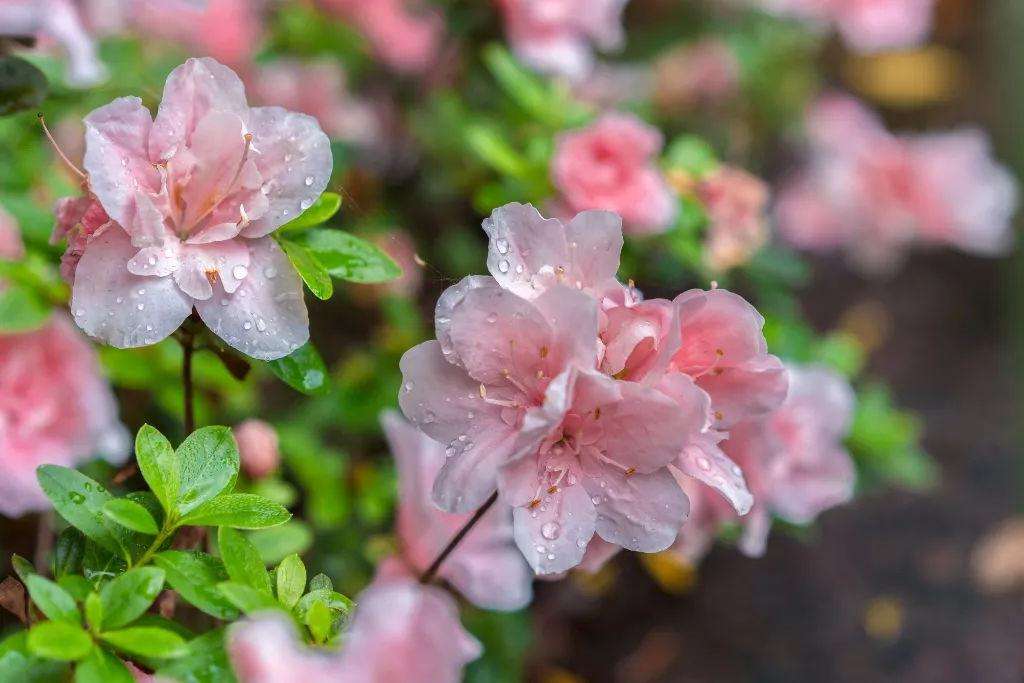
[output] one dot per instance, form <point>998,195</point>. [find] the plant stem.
<point>165,533</point>
<point>428,575</point>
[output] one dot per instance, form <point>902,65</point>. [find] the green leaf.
<point>159,465</point>
<point>312,272</point>
<point>21,310</point>
<point>333,599</point>
<point>21,667</point>
<point>68,552</point>
<point>131,516</point>
<point>239,510</point>
<point>291,580</point>
<point>22,567</point>
<point>146,641</point>
<point>102,667</point>
<point>59,640</point>
<point>276,543</point>
<point>22,85</point>
<point>79,500</point>
<point>209,465</point>
<point>321,582</point>
<point>94,611</point>
<point>195,576</point>
<point>52,600</point>
<point>303,370</point>
<point>204,661</point>
<point>348,257</point>
<point>247,598</point>
<point>242,561</point>
<point>320,212</point>
<point>318,619</point>
<point>76,585</point>
<point>128,596</point>
<point>691,154</point>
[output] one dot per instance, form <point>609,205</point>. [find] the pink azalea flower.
<point>794,460</point>
<point>56,20</point>
<point>257,448</point>
<point>192,198</point>
<point>486,567</point>
<point>265,648</point>
<point>556,36</point>
<point>227,30</point>
<point>704,73</point>
<point>11,246</point>
<point>875,193</point>
<point>735,202</point>
<point>866,25</point>
<point>55,408</point>
<point>404,34</point>
<point>286,83</point>
<point>405,632</point>
<point>78,220</point>
<point>612,165</point>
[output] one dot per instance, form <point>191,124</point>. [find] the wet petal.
<point>553,535</point>
<point>706,462</point>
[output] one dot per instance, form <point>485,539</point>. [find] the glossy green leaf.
<point>291,580</point>
<point>302,370</point>
<point>242,561</point>
<point>79,500</point>
<point>158,464</point>
<point>204,661</point>
<point>351,258</point>
<point>94,611</point>
<point>309,268</point>
<point>68,552</point>
<point>59,640</point>
<point>146,641</point>
<point>318,619</point>
<point>22,85</point>
<point>52,600</point>
<point>78,586</point>
<point>131,516</point>
<point>195,576</point>
<point>239,510</point>
<point>128,596</point>
<point>22,567</point>
<point>208,459</point>
<point>321,582</point>
<point>102,667</point>
<point>276,543</point>
<point>320,212</point>
<point>247,598</point>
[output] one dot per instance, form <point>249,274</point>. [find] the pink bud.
<point>257,448</point>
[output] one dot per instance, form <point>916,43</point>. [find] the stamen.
<point>630,471</point>
<point>544,352</point>
<point>212,276</point>
<point>60,152</point>
<point>718,415</point>
<point>534,503</point>
<point>597,413</point>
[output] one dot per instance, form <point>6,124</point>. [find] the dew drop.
<point>305,204</point>
<point>550,531</point>
<point>261,325</point>
<point>141,306</point>
<point>503,266</point>
<point>551,556</point>
<point>239,272</point>
<point>223,302</point>
<point>492,318</point>
<point>270,272</point>
<point>429,417</point>
<point>309,180</point>
<point>502,245</point>
<point>120,299</point>
<point>247,325</point>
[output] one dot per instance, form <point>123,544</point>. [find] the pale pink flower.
<point>612,165</point>
<point>404,34</point>
<point>57,20</point>
<point>558,36</point>
<point>77,220</point>
<point>286,83</point>
<point>735,202</point>
<point>55,408</point>
<point>226,30</point>
<point>705,73</point>
<point>510,387</point>
<point>192,198</point>
<point>866,25</point>
<point>486,567</point>
<point>265,648</point>
<point>874,194</point>
<point>11,246</point>
<point>257,448</point>
<point>794,461</point>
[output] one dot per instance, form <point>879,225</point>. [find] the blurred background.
<point>439,112</point>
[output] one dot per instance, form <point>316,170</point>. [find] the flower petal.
<point>293,156</point>
<point>706,462</point>
<point>447,303</point>
<point>554,534</point>
<point>638,512</point>
<point>117,307</point>
<point>752,390</point>
<point>265,317</point>
<point>193,90</point>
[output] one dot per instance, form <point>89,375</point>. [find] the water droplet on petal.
<point>503,266</point>
<point>141,306</point>
<point>305,204</point>
<point>550,530</point>
<point>309,180</point>
<point>492,318</point>
<point>239,272</point>
<point>247,325</point>
<point>502,245</point>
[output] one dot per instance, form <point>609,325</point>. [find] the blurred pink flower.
<point>11,246</point>
<point>227,30</point>
<point>612,165</point>
<point>866,25</point>
<point>736,202</point>
<point>794,461</point>
<point>192,198</point>
<point>486,567</point>
<point>265,648</point>
<point>55,408</point>
<point>404,34</point>
<point>874,193</point>
<point>257,448</point>
<point>56,20</point>
<point>704,73</point>
<point>556,36</point>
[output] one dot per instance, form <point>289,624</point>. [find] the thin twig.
<point>428,575</point>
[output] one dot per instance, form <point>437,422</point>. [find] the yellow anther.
<point>543,352</point>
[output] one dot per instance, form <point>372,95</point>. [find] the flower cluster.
<point>865,25</point>
<point>576,399</point>
<point>873,193</point>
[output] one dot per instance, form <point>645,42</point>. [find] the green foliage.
<point>60,640</point>
<point>102,667</point>
<point>302,370</point>
<point>242,561</point>
<point>127,597</point>
<point>131,515</point>
<point>52,600</point>
<point>312,272</point>
<point>146,641</point>
<point>195,577</point>
<point>350,258</point>
<point>22,85</point>
<point>322,210</point>
<point>885,441</point>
